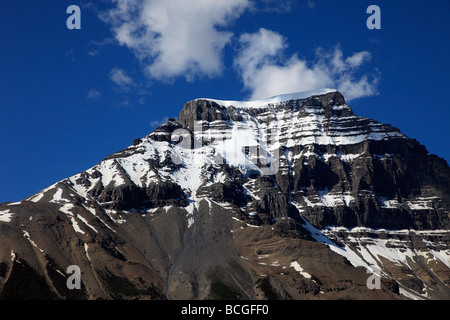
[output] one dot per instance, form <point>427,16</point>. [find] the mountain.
<point>291,197</point>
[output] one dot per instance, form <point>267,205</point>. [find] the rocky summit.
<point>291,197</point>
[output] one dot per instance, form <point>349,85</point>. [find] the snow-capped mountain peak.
<point>285,196</point>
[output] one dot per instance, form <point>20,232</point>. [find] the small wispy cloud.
<point>157,123</point>
<point>274,6</point>
<point>132,92</point>
<point>120,78</point>
<point>280,7</point>
<point>70,54</point>
<point>94,94</point>
<point>96,46</point>
<point>310,4</point>
<point>125,103</point>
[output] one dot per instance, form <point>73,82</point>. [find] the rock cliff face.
<point>290,197</point>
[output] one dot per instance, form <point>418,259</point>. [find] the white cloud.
<point>94,94</point>
<point>357,59</point>
<point>120,78</point>
<point>178,37</point>
<point>265,71</point>
<point>345,73</point>
<point>257,50</point>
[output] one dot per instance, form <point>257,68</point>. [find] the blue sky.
<point>69,98</point>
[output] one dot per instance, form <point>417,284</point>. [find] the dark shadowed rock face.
<point>283,198</point>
